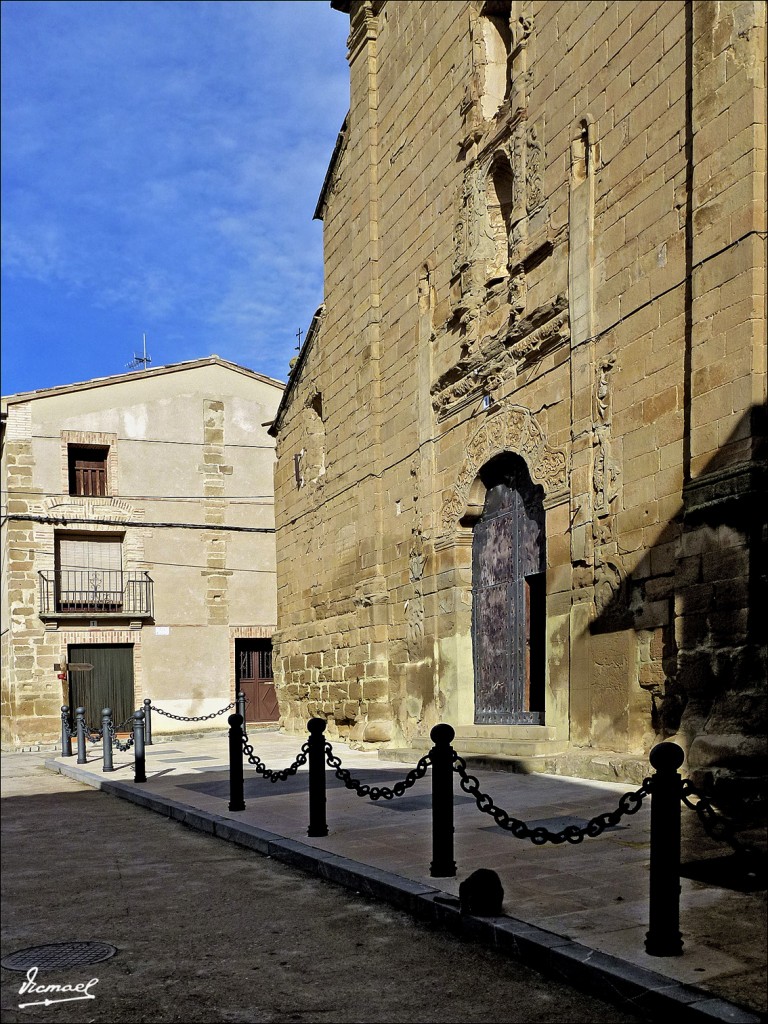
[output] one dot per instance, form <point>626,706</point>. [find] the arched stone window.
<point>497,42</point>
<point>499,198</point>
<point>508,596</point>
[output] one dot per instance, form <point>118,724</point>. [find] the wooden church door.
<point>508,608</point>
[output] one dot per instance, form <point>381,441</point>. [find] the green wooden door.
<point>109,684</point>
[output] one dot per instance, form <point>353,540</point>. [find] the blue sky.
<point>161,163</point>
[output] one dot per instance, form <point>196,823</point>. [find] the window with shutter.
<point>88,470</point>
<point>89,572</point>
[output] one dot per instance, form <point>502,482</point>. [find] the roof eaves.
<point>295,373</point>
<point>338,149</point>
<point>121,378</point>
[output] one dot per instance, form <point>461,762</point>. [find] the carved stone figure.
<point>533,168</point>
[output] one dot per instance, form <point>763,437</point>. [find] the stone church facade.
<point>519,452</point>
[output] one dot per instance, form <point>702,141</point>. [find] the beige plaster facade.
<point>544,230</point>
<point>188,505</point>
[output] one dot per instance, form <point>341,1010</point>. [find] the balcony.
<point>108,593</point>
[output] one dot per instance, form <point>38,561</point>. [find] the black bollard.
<point>147,722</point>
<point>106,739</point>
<point>66,737</point>
<point>318,825</point>
<point>240,700</point>
<point>140,773</point>
<point>441,755</point>
<point>80,719</point>
<point>236,793</point>
<point>663,937</point>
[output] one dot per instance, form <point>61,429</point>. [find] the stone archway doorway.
<point>509,597</point>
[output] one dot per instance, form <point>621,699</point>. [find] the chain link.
<point>71,733</point>
<point>376,792</point>
<point>278,775</point>
<point>630,803</point>
<point>93,735</point>
<point>199,718</point>
<point>115,741</point>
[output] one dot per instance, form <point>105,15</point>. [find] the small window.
<point>87,470</point>
<point>254,660</point>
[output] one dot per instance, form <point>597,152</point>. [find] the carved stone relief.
<point>603,391</point>
<point>605,471</point>
<point>608,579</point>
<point>608,573</point>
<point>512,429</point>
<point>534,167</point>
<point>498,356</point>
<point>414,606</point>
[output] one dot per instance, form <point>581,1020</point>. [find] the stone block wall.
<point>570,267</point>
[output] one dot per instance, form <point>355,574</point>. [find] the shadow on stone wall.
<point>703,586</point>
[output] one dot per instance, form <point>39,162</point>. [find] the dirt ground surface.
<point>207,931</point>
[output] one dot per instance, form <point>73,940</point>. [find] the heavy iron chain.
<point>716,826</point>
<point>630,803</point>
<point>93,735</point>
<point>200,718</point>
<point>376,792</point>
<point>115,741</point>
<point>72,733</point>
<point>278,775</point>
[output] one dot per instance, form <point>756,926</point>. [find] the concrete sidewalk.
<point>579,911</point>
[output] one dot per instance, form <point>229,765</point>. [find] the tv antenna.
<point>140,360</point>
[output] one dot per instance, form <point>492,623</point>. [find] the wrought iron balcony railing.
<point>106,591</point>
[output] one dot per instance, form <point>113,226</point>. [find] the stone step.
<point>469,746</point>
<point>524,733</point>
<point>598,765</point>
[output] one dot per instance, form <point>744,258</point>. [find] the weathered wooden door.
<point>109,684</point>
<point>508,608</point>
<point>253,660</point>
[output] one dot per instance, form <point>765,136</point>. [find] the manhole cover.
<point>58,956</point>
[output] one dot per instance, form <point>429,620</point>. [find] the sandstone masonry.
<point>545,262</point>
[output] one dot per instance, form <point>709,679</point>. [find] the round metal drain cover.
<point>58,956</point>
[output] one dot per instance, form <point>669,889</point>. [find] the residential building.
<point>519,456</point>
<point>138,548</point>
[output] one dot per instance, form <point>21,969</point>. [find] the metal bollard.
<point>236,795</point>
<point>80,719</point>
<point>106,740</point>
<point>240,700</point>
<point>147,722</point>
<point>318,825</point>
<point>66,738</point>
<point>140,774</point>
<point>441,755</point>
<point>663,937</point>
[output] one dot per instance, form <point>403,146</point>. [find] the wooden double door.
<point>509,600</point>
<point>107,684</point>
<point>253,666</point>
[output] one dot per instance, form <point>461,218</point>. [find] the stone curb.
<point>627,985</point>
